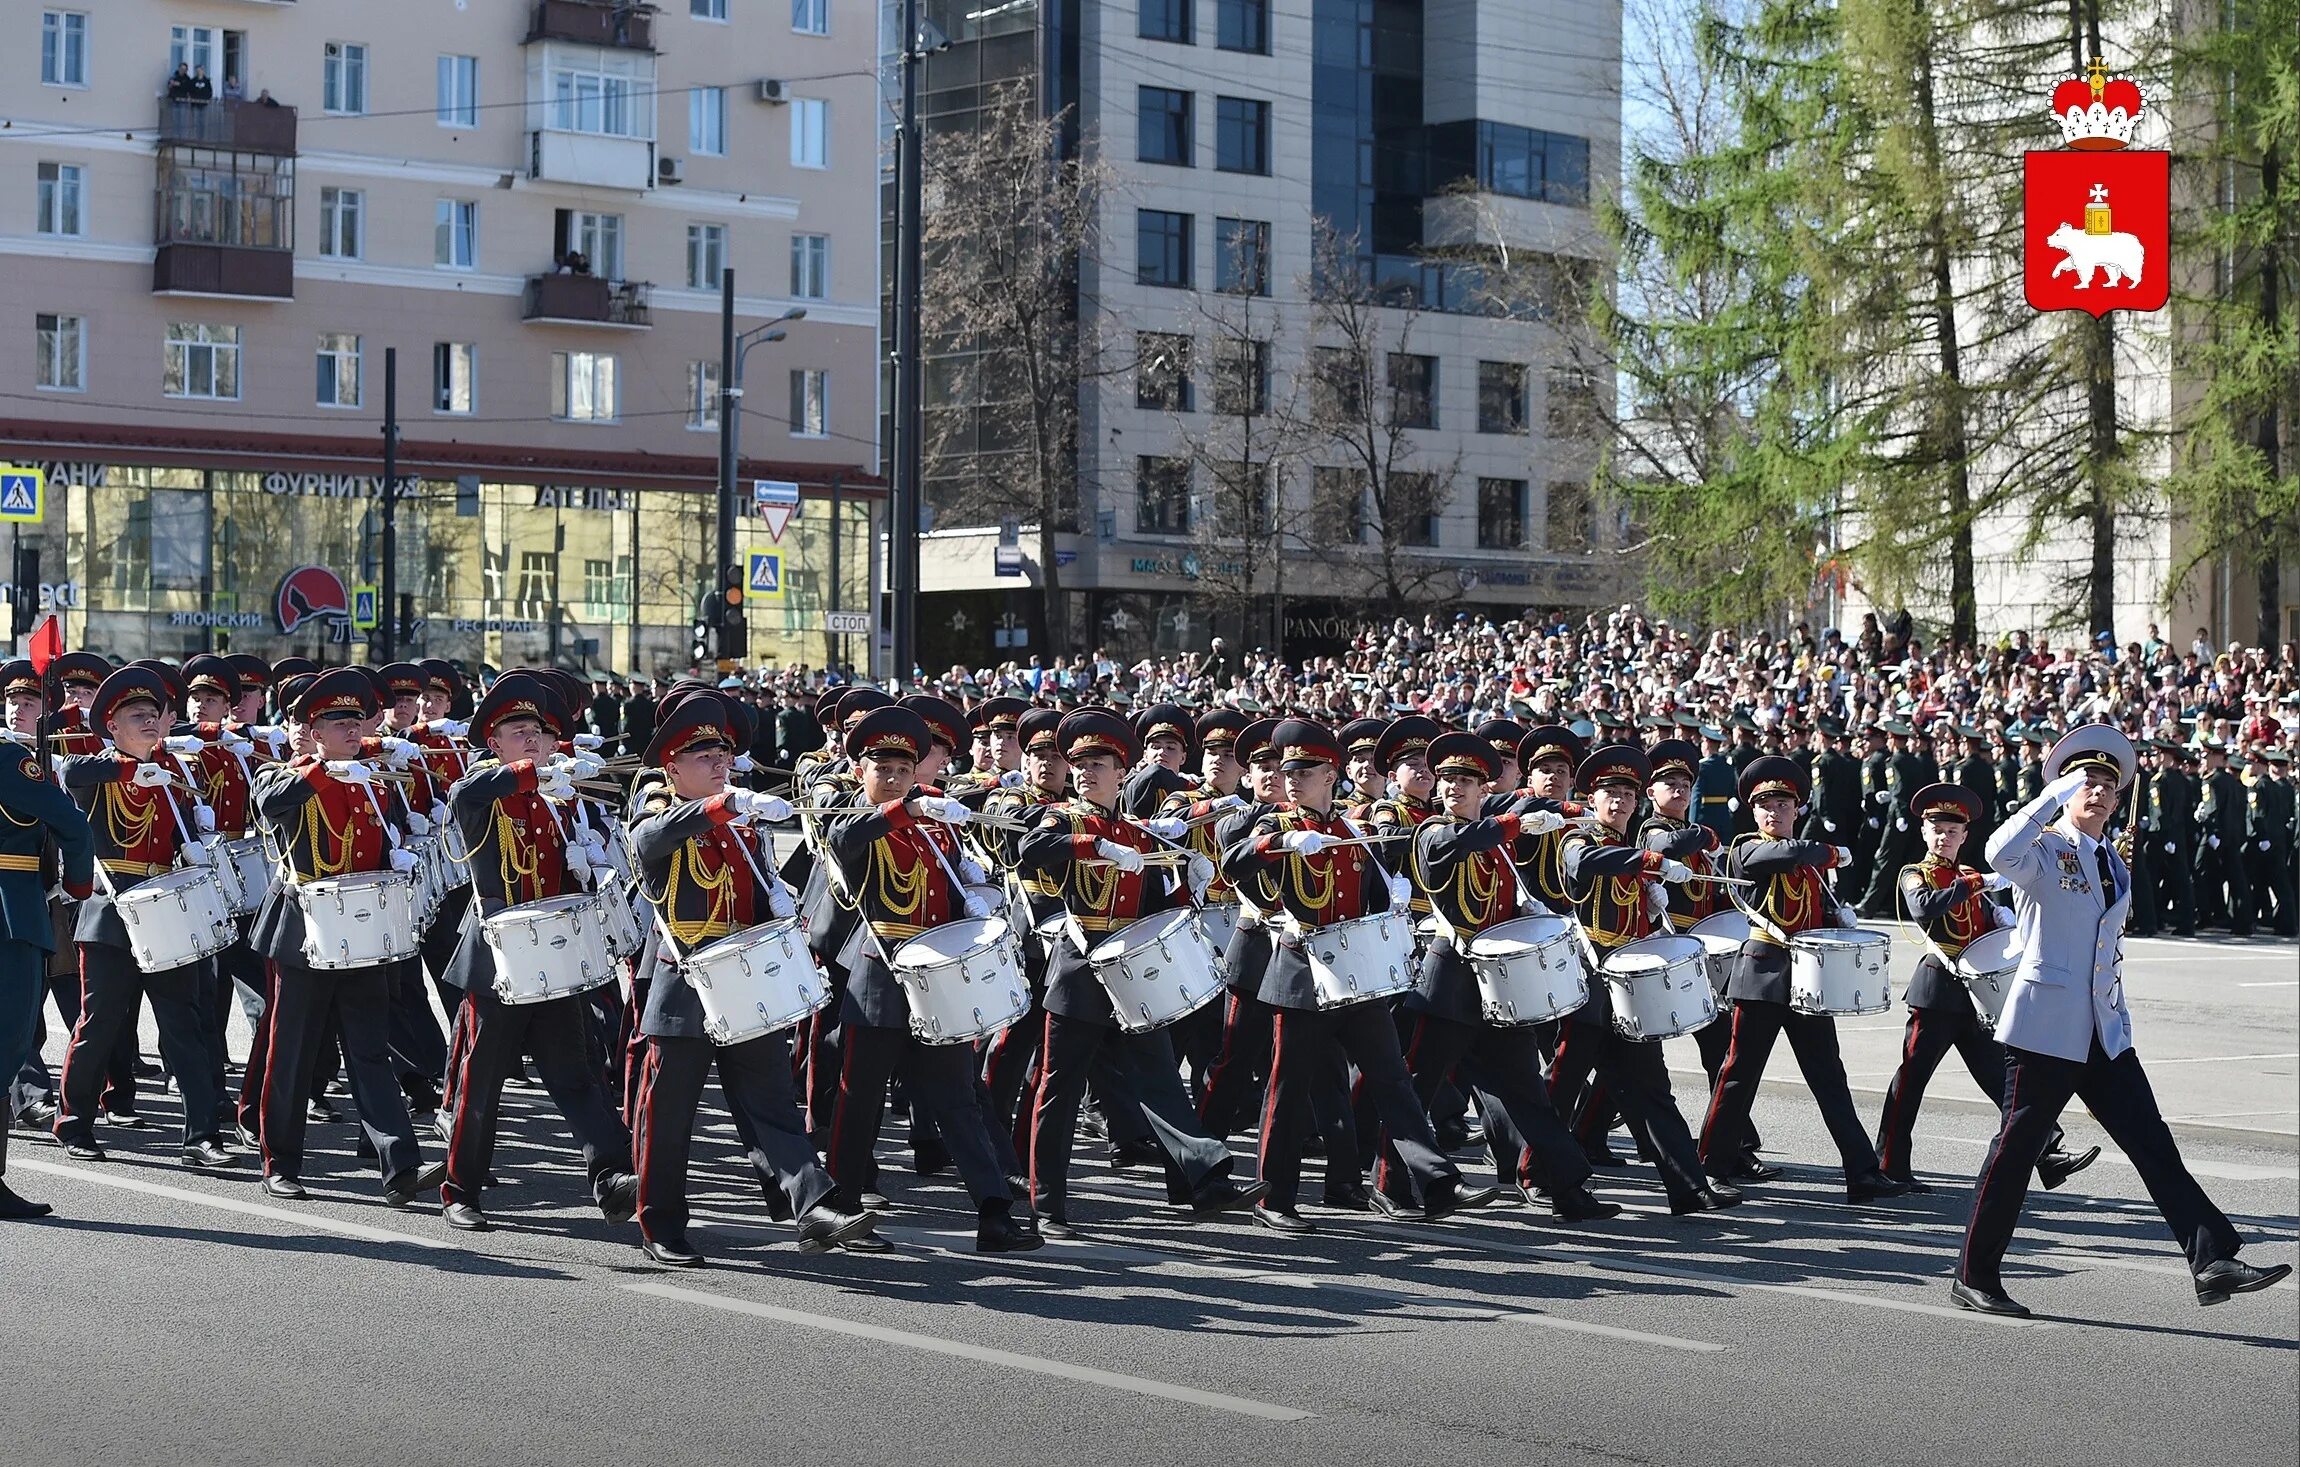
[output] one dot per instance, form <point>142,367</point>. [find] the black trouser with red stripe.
<point>1006,1066</point>
<point>939,1077</point>
<point>1636,1076</point>
<point>1229,1099</point>
<point>1813,1039</point>
<point>356,1003</point>
<point>1302,1059</point>
<point>1932,1032</point>
<point>111,985</point>
<point>1144,1079</point>
<point>1530,1145</point>
<point>2116,1091</point>
<point>494,1035</point>
<point>755,1077</point>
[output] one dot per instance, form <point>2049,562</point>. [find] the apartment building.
<point>217,217</point>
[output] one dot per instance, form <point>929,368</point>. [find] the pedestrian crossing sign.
<point>767,575</point>
<point>363,608</point>
<point>21,492</point>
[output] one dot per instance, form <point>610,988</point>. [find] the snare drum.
<point>548,949</point>
<point>1720,936</point>
<point>626,933</point>
<point>1529,970</point>
<point>1840,970</point>
<point>1987,965</point>
<point>361,920</point>
<point>1659,987</point>
<point>992,898</point>
<point>755,982</point>
<point>1156,970</point>
<point>176,918</point>
<point>963,979</point>
<point>1365,957</point>
<point>246,869</point>
<point>1219,922</point>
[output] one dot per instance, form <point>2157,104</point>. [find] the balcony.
<point>587,300</point>
<point>213,269</point>
<point>247,127</point>
<point>593,23</point>
<point>592,160</point>
<point>224,222</point>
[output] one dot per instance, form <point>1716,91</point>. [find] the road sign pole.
<point>387,639</point>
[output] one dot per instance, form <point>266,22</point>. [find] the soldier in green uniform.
<point>33,815</point>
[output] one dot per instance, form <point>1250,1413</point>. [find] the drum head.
<point>1649,954</point>
<point>950,941</point>
<point>1991,952</point>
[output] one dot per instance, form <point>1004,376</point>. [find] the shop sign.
<point>221,620</point>
<point>584,496</point>
<point>54,595</point>
<point>492,624</point>
<point>313,594</point>
<point>334,486</point>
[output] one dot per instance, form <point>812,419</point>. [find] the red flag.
<point>47,644</point>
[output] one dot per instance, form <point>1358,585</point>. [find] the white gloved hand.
<point>195,854</point>
<point>1539,822</point>
<point>970,872</point>
<point>351,771</point>
<point>768,808</point>
<point>439,812</point>
<point>779,903</point>
<point>1228,802</point>
<point>399,753</point>
<point>1304,842</point>
<point>588,741</point>
<point>1901,824</point>
<point>1996,881</point>
<point>1401,892</point>
<point>1656,903</point>
<point>1829,825</point>
<point>2064,789</point>
<point>2264,845</point>
<point>182,744</point>
<point>1883,797</point>
<point>2171,846</point>
<point>1844,857</point>
<point>1200,875</point>
<point>417,824</point>
<point>744,764</point>
<point>1011,779</point>
<point>273,735</point>
<point>1847,917</point>
<point>944,809</point>
<point>1167,827</point>
<point>553,784</point>
<point>451,728</point>
<point>1125,858</point>
<point>235,744</point>
<point>404,861</point>
<point>976,906</point>
<point>1676,873</point>
<point>204,817</point>
<point>580,766</point>
<point>2212,842</point>
<point>1875,823</point>
<point>578,861</point>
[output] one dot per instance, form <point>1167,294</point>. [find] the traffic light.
<point>24,602</point>
<point>699,647</point>
<point>734,635</point>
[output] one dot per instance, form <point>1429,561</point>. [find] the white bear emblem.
<point>2120,255</point>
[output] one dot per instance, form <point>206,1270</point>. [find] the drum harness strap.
<point>1077,933</point>
<point>1956,966</point>
<point>766,883</point>
<point>168,798</point>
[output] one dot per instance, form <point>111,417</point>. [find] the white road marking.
<point>313,1220</point>
<point>2273,983</point>
<point>2226,1171</point>
<point>935,1345</point>
<point>2218,1059</point>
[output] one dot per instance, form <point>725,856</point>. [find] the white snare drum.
<point>548,949</point>
<point>755,982</point>
<point>963,979</point>
<point>626,932</point>
<point>1659,987</point>
<point>1840,970</point>
<point>359,920</point>
<point>1987,965</point>
<point>1219,921</point>
<point>1529,970</point>
<point>1365,957</point>
<point>1156,970</point>
<point>176,918</point>
<point>1720,935</point>
<point>992,897</point>
<point>246,869</point>
<point>425,849</point>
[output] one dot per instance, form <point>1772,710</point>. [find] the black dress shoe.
<point>126,1120</point>
<point>1346,1199</point>
<point>442,1129</point>
<point>2056,1167</point>
<point>1137,1159</point>
<point>671,1255</point>
<point>825,1227</point>
<point>248,1138</point>
<point>1753,1170</point>
<point>1986,1301</point>
<point>1228,1196</point>
<point>1870,1186</point>
<point>1715,1197</point>
<point>928,1158</point>
<point>1579,1204</point>
<point>206,1153</point>
<point>1282,1220</point>
<point>402,1190</point>
<point>322,1113</point>
<point>40,1115</point>
<point>867,1243</point>
<point>1059,1228</point>
<point>465,1218</point>
<point>1913,1186</point>
<point>2235,1276</point>
<point>1448,1200</point>
<point>999,1232</point>
<point>619,1198</point>
<point>874,1202</point>
<point>17,1209</point>
<point>1395,1209</point>
<point>287,1189</point>
<point>83,1151</point>
<point>1604,1157</point>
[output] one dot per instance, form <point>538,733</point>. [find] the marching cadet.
<point>1191,817</point>
<point>1507,738</point>
<point>1897,843</point>
<point>1791,896</point>
<point>1608,877</point>
<point>1401,760</point>
<point>1549,755</point>
<point>1949,904</point>
<point>144,826</point>
<point>1007,1059</point>
<point>891,869</point>
<point>1314,888</point>
<point>2172,796</point>
<point>2220,822</point>
<point>31,1101</point>
<point>1093,856</point>
<point>520,853</point>
<point>1459,862</point>
<point>252,676</point>
<point>707,882</point>
<point>2277,892</point>
<point>834,928</point>
<point>322,814</point>
<point>34,816</point>
<point>215,747</point>
<point>997,750</point>
<point>1363,770</point>
<point>1169,742</point>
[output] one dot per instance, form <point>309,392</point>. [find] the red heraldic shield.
<point>2097,231</point>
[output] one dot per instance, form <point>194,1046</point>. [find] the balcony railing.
<point>594,23</point>
<point>587,300</point>
<point>248,127</point>
<point>212,269</point>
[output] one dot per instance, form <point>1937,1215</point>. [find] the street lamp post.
<point>733,347</point>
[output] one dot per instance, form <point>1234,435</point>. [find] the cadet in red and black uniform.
<point>1548,755</point>
<point>1362,768</point>
<point>216,747</point>
<point>1609,878</point>
<point>706,878</point>
<point>1093,856</point>
<point>889,867</point>
<point>996,726</point>
<point>1950,905</point>
<point>1791,896</point>
<point>1460,867</point>
<point>144,826</point>
<point>1285,855</point>
<point>1169,743</point>
<point>1190,817</point>
<point>323,813</point>
<point>1509,739</point>
<point>1006,1060</point>
<point>1401,757</point>
<point>519,853</point>
<point>834,931</point>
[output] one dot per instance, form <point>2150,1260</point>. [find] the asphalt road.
<point>184,1317</point>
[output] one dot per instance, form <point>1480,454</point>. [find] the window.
<point>1501,514</point>
<point>606,95</point>
<point>1243,25</point>
<point>342,222</point>
<point>702,394</point>
<point>1242,378</point>
<point>63,48</point>
<point>1501,397</point>
<point>537,570</point>
<point>1413,390</point>
<point>1242,256</point>
<point>1413,503</point>
<point>221,54</point>
<point>606,587</point>
<point>454,376</point>
<point>1162,247</point>
<point>60,353</point>
<point>598,238</point>
<point>707,121</point>
<point>343,77</point>
<point>810,267</point>
<point>1166,20</point>
<point>1241,135</point>
<point>707,9</point>
<point>1242,506</point>
<point>1162,371</point>
<point>1572,403</point>
<point>201,361</point>
<point>1163,507</point>
<point>1162,126</point>
<point>455,235</point>
<point>810,133</point>
<point>1338,506</point>
<point>1522,162</point>
<point>706,255</point>
<point>338,369</point>
<point>1340,383</point>
<point>1571,523</point>
<point>59,199</point>
<point>811,17</point>
<point>459,91</point>
<point>583,386</point>
<point>810,404</point>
